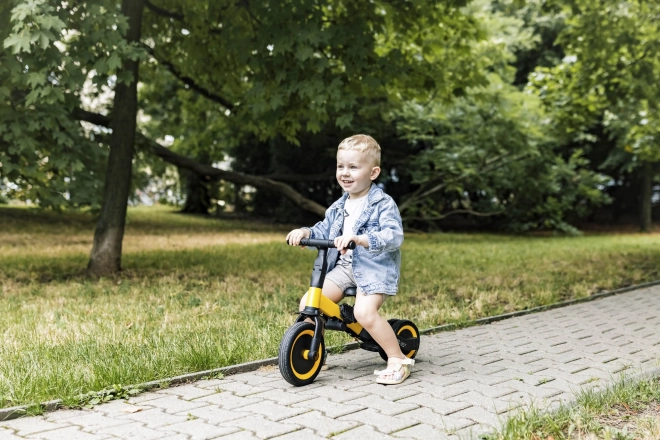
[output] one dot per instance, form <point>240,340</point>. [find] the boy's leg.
<point>366,313</point>
<point>330,290</point>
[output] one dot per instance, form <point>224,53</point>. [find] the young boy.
<point>370,218</point>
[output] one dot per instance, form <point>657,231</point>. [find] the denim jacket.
<point>376,269</point>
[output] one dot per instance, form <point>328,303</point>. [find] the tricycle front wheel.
<point>296,366</point>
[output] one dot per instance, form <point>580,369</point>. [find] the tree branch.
<point>456,211</point>
<point>163,12</point>
<point>189,81</point>
<point>424,190</point>
<point>207,170</point>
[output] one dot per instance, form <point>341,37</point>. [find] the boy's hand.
<point>342,241</point>
<point>294,237</point>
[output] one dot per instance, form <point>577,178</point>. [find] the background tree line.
<point>491,114</point>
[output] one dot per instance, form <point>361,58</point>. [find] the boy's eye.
<point>353,167</point>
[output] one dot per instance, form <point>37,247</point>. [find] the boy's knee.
<point>303,302</point>
<point>365,316</point>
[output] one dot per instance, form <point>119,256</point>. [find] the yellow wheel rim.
<point>315,367</point>
<point>413,333</point>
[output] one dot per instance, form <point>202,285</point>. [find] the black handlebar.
<point>322,243</point>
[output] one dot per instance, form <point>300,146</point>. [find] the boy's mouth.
<point>347,182</point>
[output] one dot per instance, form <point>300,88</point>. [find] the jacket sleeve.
<point>322,228</point>
<point>390,236</point>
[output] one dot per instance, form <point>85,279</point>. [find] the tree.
<point>608,79</point>
<point>491,154</point>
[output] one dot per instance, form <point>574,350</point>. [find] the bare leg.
<point>330,290</point>
<point>366,313</point>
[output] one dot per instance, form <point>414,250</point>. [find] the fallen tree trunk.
<point>206,170</point>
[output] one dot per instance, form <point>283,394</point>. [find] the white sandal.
<point>399,372</point>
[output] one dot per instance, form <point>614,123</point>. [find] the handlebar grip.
<point>323,243</point>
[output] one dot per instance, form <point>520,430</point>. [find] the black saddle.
<point>350,291</point>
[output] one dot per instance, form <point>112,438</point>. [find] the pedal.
<point>346,312</point>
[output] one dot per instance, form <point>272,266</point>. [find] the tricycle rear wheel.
<point>403,329</point>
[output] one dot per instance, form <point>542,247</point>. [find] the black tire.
<point>407,329</point>
<point>295,369</point>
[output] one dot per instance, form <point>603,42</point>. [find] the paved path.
<point>464,383</point>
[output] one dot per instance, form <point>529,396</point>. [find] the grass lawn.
<point>627,410</point>
<point>202,293</point>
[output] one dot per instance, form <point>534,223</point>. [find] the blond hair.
<point>364,144</point>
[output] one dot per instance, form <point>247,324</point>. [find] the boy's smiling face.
<point>355,172</point>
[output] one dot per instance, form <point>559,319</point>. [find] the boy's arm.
<point>322,228</point>
<point>390,236</point>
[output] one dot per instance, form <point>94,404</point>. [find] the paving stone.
<point>242,389</point>
<point>336,395</point>
<point>363,432</point>
<point>6,434</point>
<point>242,435</point>
<point>322,425</point>
<point>214,415</point>
<point>94,421</point>
<point>282,397</point>
<point>200,430</point>
<point>386,392</point>
<point>301,434</point>
<point>445,423</point>
<point>69,433</point>
<point>384,406</point>
<point>153,418</point>
<point>227,400</point>
<point>173,404</point>
<point>440,406</point>
<point>29,425</point>
<point>135,430</point>
<point>486,390</point>
<point>423,431</point>
<point>473,432</point>
<point>63,414</point>
<point>381,422</point>
<point>445,380</point>
<point>480,415</point>
<point>262,427</point>
<point>329,408</point>
<point>272,411</point>
<point>188,392</point>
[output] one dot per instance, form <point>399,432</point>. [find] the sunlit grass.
<point>626,410</point>
<point>200,293</point>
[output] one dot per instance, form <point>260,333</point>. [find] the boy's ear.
<point>375,172</point>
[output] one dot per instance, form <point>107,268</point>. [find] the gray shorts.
<point>343,277</point>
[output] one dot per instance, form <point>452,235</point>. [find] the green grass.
<point>202,293</point>
<point>627,410</point>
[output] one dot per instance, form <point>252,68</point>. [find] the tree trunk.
<point>198,199</point>
<point>106,251</point>
<point>239,205</point>
<point>647,188</point>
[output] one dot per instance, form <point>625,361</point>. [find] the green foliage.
<point>492,153</point>
<point>608,75</point>
<point>92,398</point>
<point>50,51</point>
